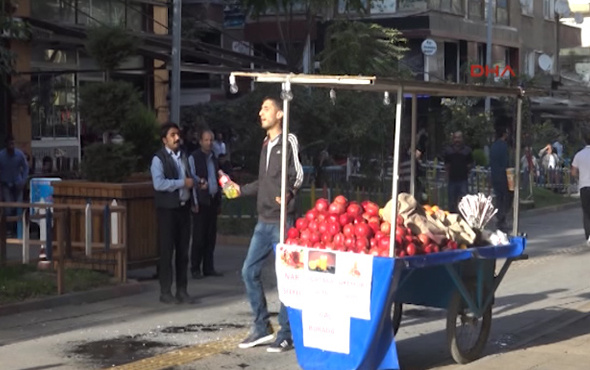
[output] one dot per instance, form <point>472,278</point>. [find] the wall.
<point>161,76</point>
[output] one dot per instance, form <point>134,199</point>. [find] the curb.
<point>549,209</point>
<point>79,298</point>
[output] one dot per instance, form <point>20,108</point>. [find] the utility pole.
<point>175,75</point>
<point>489,50</point>
<point>556,70</point>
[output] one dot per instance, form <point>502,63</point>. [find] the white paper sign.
<point>290,266</point>
<point>326,331</point>
<point>354,279</point>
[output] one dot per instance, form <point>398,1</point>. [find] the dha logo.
<point>477,70</point>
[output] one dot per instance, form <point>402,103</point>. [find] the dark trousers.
<point>585,199</point>
<point>503,203</point>
<point>204,238</point>
<point>173,239</point>
<point>456,191</point>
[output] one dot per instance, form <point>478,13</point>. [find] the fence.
<point>62,250</point>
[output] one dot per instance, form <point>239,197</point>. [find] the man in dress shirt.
<point>173,197</point>
<point>204,169</point>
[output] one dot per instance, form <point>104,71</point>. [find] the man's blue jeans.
<point>457,190</point>
<point>265,236</point>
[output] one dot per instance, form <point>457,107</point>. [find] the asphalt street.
<point>536,294</point>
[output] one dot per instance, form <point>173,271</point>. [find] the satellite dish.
<point>562,7</point>
<point>579,18</point>
<point>545,62</point>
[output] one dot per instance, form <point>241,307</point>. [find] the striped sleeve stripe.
<point>298,168</point>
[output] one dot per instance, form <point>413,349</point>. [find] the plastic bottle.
<point>227,186</point>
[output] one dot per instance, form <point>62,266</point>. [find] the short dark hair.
<point>275,101</point>
<point>167,127</point>
<point>500,131</point>
<point>205,130</point>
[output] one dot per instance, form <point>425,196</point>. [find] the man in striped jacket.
<point>267,231</point>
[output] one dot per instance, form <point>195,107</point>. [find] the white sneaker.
<point>588,242</point>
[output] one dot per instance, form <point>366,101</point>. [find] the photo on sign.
<point>292,257</point>
<point>322,262</point>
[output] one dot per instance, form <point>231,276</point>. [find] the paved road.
<point>536,294</point>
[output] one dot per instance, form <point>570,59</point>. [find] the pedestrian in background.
<point>14,173</point>
<point>173,197</point>
<point>498,166</point>
<point>458,159</point>
<point>204,169</point>
<point>267,231</point>
<point>581,171</point>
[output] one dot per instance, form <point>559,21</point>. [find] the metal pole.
<point>286,95</point>
<point>516,203</point>
<point>489,49</point>
<point>413,146</point>
<point>176,45</point>
<point>396,156</point>
<point>556,71</point>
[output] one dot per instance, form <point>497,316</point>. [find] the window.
<point>527,7</point>
<point>54,10</point>
<point>53,109</point>
<point>384,6</point>
<point>91,12</point>
<point>549,9</point>
<point>412,4</point>
<point>485,10</point>
<point>452,6</point>
<point>475,9</point>
<point>502,12</point>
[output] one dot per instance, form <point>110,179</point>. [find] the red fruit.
<point>375,226</point>
<point>329,246</point>
<point>409,231</point>
<point>399,241</point>
<point>379,235</point>
<point>318,245</point>
<point>354,210</point>
<point>291,241</point>
<point>334,218</point>
<point>305,235</point>
<point>313,225</point>
<point>435,248</point>
<point>402,254</point>
<point>321,205</point>
<point>341,200</point>
<point>411,249</point>
<point>358,219</point>
<point>349,242</point>
<point>336,209</point>
<point>344,219</point>
<point>301,223</point>
<point>362,244</point>
<point>384,243</point>
<point>333,228</point>
<point>323,216</point>
<point>292,233</point>
<point>315,237</point>
<point>400,220</point>
<point>338,240</point>
<point>323,227</point>
<point>424,239</point>
<point>326,238</point>
<point>366,216</point>
<point>348,230</point>
<point>400,231</point>
<point>373,242</point>
<point>428,249</point>
<point>452,244</point>
<point>362,230</point>
<point>311,215</point>
<point>371,208</point>
<point>386,227</point>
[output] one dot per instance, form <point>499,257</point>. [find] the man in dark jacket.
<point>267,230</point>
<point>204,169</point>
<point>173,185</point>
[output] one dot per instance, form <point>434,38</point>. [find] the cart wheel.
<point>396,316</point>
<point>467,335</point>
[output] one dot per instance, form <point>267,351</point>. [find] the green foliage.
<point>108,162</point>
<point>110,46</point>
<point>7,61</point>
<point>460,114</point>
<point>354,48</point>
<point>141,130</point>
<point>479,157</point>
<point>106,105</point>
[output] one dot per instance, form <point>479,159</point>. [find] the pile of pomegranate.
<point>358,228</point>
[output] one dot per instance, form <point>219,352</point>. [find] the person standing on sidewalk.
<point>267,230</point>
<point>204,168</point>
<point>174,194</point>
<point>581,170</point>
<point>14,173</point>
<point>498,166</point>
<point>458,162</point>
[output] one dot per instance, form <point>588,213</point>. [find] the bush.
<point>479,157</point>
<point>108,162</point>
<point>142,131</point>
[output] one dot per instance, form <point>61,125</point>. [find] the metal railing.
<point>61,249</point>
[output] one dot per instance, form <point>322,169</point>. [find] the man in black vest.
<point>204,168</point>
<point>174,194</point>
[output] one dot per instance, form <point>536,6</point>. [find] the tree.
<point>362,48</point>
<point>461,114</point>
<point>286,12</point>
<point>110,46</point>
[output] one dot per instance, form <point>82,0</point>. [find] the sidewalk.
<point>564,349</point>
